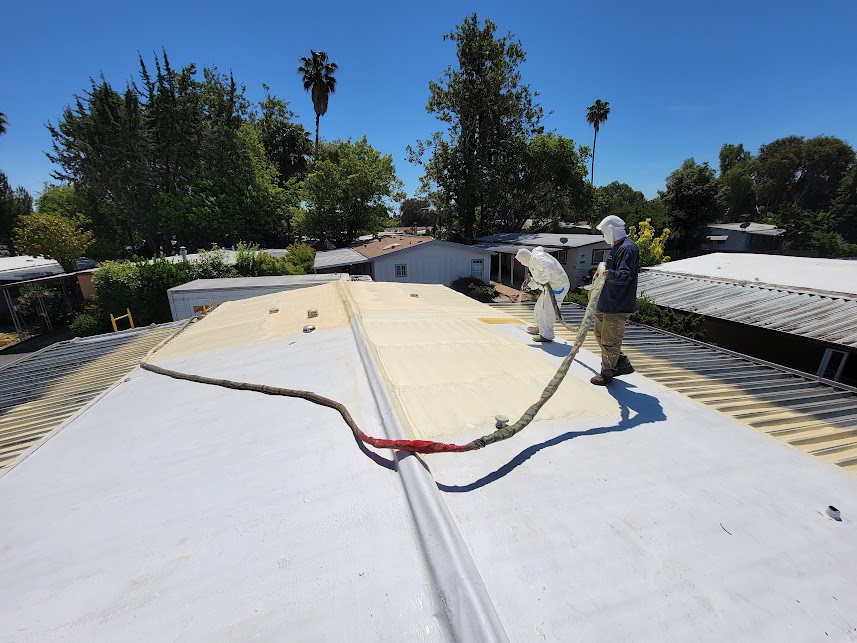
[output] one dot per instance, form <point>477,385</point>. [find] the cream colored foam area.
<point>248,321</point>
<point>449,373</point>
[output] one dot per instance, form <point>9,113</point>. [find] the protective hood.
<point>523,256</point>
<point>613,229</point>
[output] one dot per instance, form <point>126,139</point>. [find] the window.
<point>401,270</point>
<point>562,257</point>
<point>597,256</point>
<point>476,266</point>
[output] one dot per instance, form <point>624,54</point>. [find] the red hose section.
<point>416,446</point>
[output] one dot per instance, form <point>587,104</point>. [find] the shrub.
<point>89,322</point>
<point>685,324</point>
<point>211,264</point>
<point>475,288</point>
<point>250,261</point>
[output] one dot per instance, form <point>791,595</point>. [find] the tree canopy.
<point>347,192</point>
<point>690,200</point>
<point>179,155</point>
<point>52,237</point>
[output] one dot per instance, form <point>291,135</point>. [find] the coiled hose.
<point>420,446</point>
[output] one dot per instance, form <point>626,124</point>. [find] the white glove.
<point>534,285</point>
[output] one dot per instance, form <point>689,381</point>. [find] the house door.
<point>476,269</point>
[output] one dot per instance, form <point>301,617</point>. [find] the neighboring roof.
<point>341,257</point>
<point>544,239</point>
<point>814,415</point>
<point>506,249</point>
<point>752,228</point>
<point>43,390</point>
<point>389,245</point>
<point>229,256</point>
<point>244,283</point>
<point>182,510</point>
<point>797,274</point>
<point>25,267</point>
<point>824,318</point>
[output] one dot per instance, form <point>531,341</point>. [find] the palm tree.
<point>317,74</point>
<point>596,114</point>
<point>3,123</point>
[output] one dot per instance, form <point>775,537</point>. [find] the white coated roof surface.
<point>25,267</point>
<point>255,282</point>
<point>544,239</point>
<point>340,257</point>
<point>751,228</point>
<point>743,227</point>
<point>171,510</point>
<point>789,273</point>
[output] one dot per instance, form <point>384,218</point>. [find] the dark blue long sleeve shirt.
<point>619,294</point>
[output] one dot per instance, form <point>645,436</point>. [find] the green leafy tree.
<point>416,212</point>
<point>234,197</point>
<point>652,247</point>
<point>286,142</point>
<point>844,208</point>
<point>596,115</point>
<point>804,173</point>
<point>548,186</point>
<point>346,193</point>
<point>490,115</point>
<point>317,73</point>
<point>736,193</point>
<point>691,204</point>
<point>52,237</point>
<point>174,139</point>
<point>733,155</point>
<point>14,204</point>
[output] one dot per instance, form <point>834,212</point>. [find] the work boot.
<point>601,379</point>
<point>539,338</point>
<point>624,369</point>
<point>533,330</point>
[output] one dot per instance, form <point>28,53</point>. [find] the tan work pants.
<point>609,333</point>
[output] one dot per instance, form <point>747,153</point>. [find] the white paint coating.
<point>611,531</point>
<point>177,511</point>
<point>800,273</point>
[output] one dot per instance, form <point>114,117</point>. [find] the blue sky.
<point>682,78</point>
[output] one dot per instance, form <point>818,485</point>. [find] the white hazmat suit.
<point>545,272</point>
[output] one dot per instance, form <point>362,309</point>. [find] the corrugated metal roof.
<point>545,239</point>
<point>40,392</point>
<point>814,415</point>
<point>832,277</point>
<point>825,318</point>
<point>341,257</point>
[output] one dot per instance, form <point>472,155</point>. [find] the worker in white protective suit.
<point>545,273</point>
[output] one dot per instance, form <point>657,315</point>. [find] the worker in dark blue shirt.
<point>618,300</point>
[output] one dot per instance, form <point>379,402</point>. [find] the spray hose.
<point>420,446</point>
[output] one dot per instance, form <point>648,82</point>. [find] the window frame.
<point>401,270</point>
<point>562,257</point>
<point>603,252</point>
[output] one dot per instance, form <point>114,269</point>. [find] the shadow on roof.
<point>648,411</point>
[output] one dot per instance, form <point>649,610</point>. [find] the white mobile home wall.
<point>432,263</point>
<point>203,292</point>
